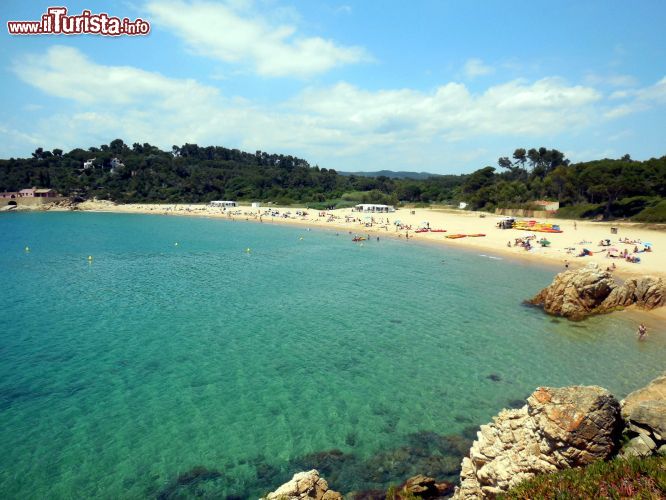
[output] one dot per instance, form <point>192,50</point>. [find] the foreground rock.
<point>305,485</point>
<point>579,293</point>
<point>556,429</point>
<point>644,412</point>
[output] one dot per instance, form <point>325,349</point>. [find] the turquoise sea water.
<point>200,370</point>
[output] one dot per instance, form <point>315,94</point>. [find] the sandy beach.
<point>564,247</point>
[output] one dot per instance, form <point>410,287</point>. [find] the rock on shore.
<point>556,429</point>
<point>579,293</point>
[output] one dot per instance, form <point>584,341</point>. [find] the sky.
<point>422,85</point>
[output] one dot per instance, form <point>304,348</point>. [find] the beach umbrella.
<point>647,244</point>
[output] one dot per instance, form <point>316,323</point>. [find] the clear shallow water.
<point>118,378</point>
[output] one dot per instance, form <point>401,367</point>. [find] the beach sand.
<point>576,236</point>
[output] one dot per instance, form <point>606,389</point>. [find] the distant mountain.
<point>392,175</point>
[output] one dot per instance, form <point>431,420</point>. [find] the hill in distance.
<point>392,175</point>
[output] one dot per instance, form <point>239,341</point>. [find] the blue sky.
<point>438,86</point>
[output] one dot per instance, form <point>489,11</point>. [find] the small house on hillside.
<point>45,193</point>
<point>30,193</point>
<point>115,164</point>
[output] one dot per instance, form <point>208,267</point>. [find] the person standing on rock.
<point>642,332</point>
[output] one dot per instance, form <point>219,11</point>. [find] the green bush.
<point>581,211</point>
<point>654,213</point>
<point>628,207</point>
<point>619,478</point>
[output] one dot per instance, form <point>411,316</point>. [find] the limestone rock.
<point>304,485</point>
<point>578,293</point>
<point>557,429</point>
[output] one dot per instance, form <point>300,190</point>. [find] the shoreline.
<point>653,263</point>
<point>494,244</point>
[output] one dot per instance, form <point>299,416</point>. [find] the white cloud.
<point>66,72</point>
<point>638,99</point>
<point>476,67</point>
<point>340,126</point>
<point>546,106</point>
<point>237,34</point>
<point>613,80</point>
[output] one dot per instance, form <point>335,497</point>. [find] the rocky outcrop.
<point>305,485</point>
<point>579,293</point>
<point>644,412</point>
<point>556,429</point>
<point>646,292</point>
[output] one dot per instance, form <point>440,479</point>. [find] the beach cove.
<point>177,348</point>
<point>564,247</point>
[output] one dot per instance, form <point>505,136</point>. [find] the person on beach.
<point>575,226</point>
<point>642,332</point>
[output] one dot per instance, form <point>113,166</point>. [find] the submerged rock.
<point>579,293</point>
<point>305,485</point>
<point>193,477</point>
<point>557,429</point>
<point>424,487</point>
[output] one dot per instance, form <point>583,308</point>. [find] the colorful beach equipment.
<point>539,227</point>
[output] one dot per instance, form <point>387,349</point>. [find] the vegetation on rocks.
<point>619,478</point>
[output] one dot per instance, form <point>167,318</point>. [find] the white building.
<point>88,164</point>
<point>116,163</point>
<point>371,207</point>
<point>256,204</point>
<point>223,204</point>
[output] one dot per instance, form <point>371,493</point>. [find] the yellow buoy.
<point>247,250</point>
<point>300,238</point>
<point>27,249</point>
<point>90,258</point>
<point>175,244</point>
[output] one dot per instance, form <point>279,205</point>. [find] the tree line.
<point>192,173</point>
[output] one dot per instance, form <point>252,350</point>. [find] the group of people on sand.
<point>524,242</point>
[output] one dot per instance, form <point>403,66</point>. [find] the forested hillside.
<point>190,173</point>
